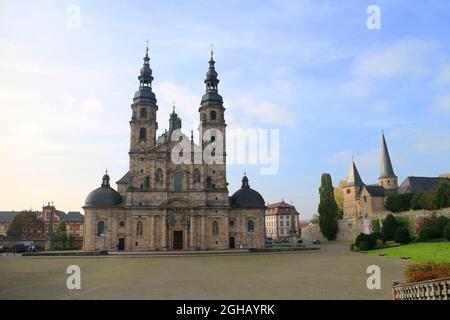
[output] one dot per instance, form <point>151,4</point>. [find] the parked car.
<point>300,241</point>
<point>277,241</point>
<point>269,243</point>
<point>19,248</point>
<point>285,241</point>
<point>316,242</point>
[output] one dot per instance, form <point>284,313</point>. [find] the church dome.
<point>246,197</point>
<point>103,197</point>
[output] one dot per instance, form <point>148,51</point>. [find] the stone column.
<point>185,238</point>
<point>204,230</point>
<point>163,231</point>
<point>152,232</point>
<point>192,232</point>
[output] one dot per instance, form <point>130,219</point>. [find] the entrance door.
<point>178,240</point>
<point>231,242</point>
<point>121,244</point>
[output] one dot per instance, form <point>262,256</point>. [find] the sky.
<point>311,69</point>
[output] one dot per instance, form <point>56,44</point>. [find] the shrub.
<point>398,202</point>
<point>416,201</point>
<point>353,247</point>
<point>374,238</point>
<point>425,222</point>
<point>402,235</point>
<point>426,234</point>
<point>424,271</point>
<point>439,225</point>
<point>390,225</point>
<point>364,245</point>
<point>443,195</point>
<point>404,222</point>
<point>446,232</point>
<point>428,200</point>
<point>362,237</point>
<point>376,225</point>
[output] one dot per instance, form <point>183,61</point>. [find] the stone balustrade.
<point>438,289</point>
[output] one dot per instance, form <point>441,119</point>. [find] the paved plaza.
<point>332,273</point>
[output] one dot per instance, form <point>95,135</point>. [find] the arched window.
<point>250,226</point>
<point>139,228</point>
<point>144,113</point>
<point>147,182</point>
<point>142,134</point>
<point>197,176</point>
<point>213,115</point>
<point>100,228</point>
<point>215,228</point>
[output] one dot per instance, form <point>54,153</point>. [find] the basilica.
<point>164,203</point>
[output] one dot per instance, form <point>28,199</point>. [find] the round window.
<point>122,223</point>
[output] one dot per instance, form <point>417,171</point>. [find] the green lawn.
<point>420,251</point>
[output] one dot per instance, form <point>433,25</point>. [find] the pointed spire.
<point>354,179</point>
<point>145,81</point>
<point>386,166</point>
<point>211,81</point>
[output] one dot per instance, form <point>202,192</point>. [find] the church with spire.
<point>361,200</point>
<point>175,194</point>
<point>365,201</point>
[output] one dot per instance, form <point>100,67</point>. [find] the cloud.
<point>405,57</point>
<point>382,105</point>
<point>441,104</point>
<point>261,112</point>
<point>443,76</point>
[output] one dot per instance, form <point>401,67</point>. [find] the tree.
<point>61,233</point>
<point>25,226</point>
<point>443,195</point>
<point>398,202</point>
<point>339,197</point>
<point>328,210</point>
<point>447,232</point>
<point>390,226</point>
<point>439,225</point>
<point>402,235</point>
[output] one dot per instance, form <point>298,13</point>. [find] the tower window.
<point>144,113</point>
<point>213,138</point>
<point>142,134</point>
<point>208,182</point>
<point>213,115</point>
<point>159,176</point>
<point>178,181</point>
<point>348,191</point>
<point>250,226</point>
<point>100,228</point>
<point>147,182</point>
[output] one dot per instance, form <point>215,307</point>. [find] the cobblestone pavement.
<point>332,273</point>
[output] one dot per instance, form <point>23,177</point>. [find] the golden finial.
<point>245,173</point>
<point>173,107</point>
<point>211,50</point>
<point>146,48</point>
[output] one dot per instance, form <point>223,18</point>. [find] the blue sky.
<point>310,68</point>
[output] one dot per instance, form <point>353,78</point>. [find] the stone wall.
<point>348,230</point>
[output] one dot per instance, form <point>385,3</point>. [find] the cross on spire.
<point>146,48</point>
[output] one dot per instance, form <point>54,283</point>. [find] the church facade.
<point>175,194</point>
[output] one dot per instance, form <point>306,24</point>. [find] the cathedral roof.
<point>421,184</point>
<point>375,190</point>
<point>125,179</point>
<point>246,197</point>
<point>386,166</point>
<point>103,197</point>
